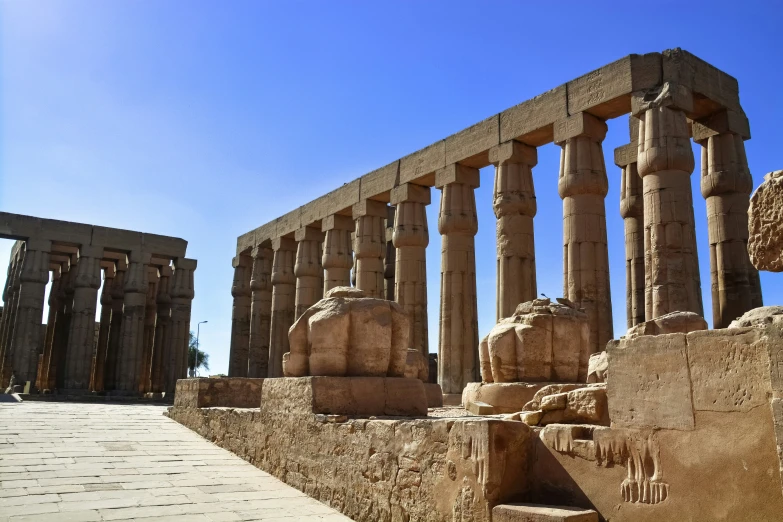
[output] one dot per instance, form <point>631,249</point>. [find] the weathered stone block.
<point>532,121</point>
<point>470,146</point>
<point>480,408</point>
<point>505,397</point>
<point>765,224</point>
<point>423,162</point>
<point>536,513</point>
<point>213,392</point>
<point>648,383</point>
<point>434,394</point>
<point>357,396</point>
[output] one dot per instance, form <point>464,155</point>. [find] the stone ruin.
<point>139,347</point>
<point>558,419</point>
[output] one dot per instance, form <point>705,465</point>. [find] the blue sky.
<point>204,119</point>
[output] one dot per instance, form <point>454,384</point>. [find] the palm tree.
<point>196,358</point>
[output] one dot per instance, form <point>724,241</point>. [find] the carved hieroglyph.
<point>583,186</point>
<point>540,342</point>
<point>765,244</point>
<point>348,334</point>
<point>458,224</point>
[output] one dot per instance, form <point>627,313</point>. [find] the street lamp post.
<point>198,334</point>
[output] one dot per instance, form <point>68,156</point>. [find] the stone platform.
<point>206,392</point>
<point>505,397</point>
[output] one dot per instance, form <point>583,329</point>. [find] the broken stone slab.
<point>550,389</point>
<point>597,367</point>
<point>759,317</point>
<point>355,396</point>
<point>214,392</point>
<point>519,512</point>
<point>505,397</point>
<point>674,322</point>
<point>480,408</point>
<point>765,224</point>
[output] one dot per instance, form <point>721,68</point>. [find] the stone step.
<point>520,512</point>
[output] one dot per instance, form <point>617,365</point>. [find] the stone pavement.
<point>95,462</point>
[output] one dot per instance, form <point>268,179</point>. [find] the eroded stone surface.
<point>765,226</point>
<point>674,322</point>
<point>208,392</point>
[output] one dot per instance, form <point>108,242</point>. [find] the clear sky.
<point>204,120</point>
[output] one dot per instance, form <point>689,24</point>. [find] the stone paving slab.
<point>63,462</point>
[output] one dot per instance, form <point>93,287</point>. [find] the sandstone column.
<point>54,307</point>
<point>411,238</point>
<point>34,276</point>
<point>458,224</point>
<point>389,261</point>
<point>129,358</point>
<point>283,290</point>
<point>726,184</point>
<point>182,293</point>
<point>583,186</point>
<point>240,316</point>
<point>515,206</point>
<point>260,311</point>
<point>632,212</point>
<point>370,246</point>
<point>665,162</point>
<point>338,251</point>
<point>11,300</point>
<point>150,315</point>
<point>81,335</point>
<point>161,344</point>
<point>99,370</point>
<point>307,269</point>
<point>62,327</point>
<point>115,327</point>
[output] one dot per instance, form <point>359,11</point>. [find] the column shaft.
<point>81,335</point>
<point>54,307</point>
<point>99,370</point>
<point>260,312</point>
<point>583,186</point>
<point>390,260</point>
<point>150,315</point>
<point>665,162</point>
<point>161,344</point>
<point>182,293</point>
<point>514,202</point>
<point>726,184</point>
<point>240,316</point>
<point>11,300</point>
<point>62,328</point>
<point>411,237</point>
<point>115,326</point>
<point>129,358</point>
<point>458,224</point>
<point>370,246</point>
<point>308,269</point>
<point>283,292</point>
<point>337,257</point>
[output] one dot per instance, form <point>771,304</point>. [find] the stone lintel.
<point>60,258</point>
<point>152,273</point>
<point>626,154</point>
<point>309,234</point>
<point>94,251</point>
<point>409,192</point>
<point>668,94</point>
<point>185,263</point>
<point>360,396</point>
<point>109,268</point>
<point>338,222</point>
<point>369,207</point>
<point>457,173</point>
<point>139,257</point>
<point>283,243</point>
<point>714,87</point>
<point>423,162</point>
<point>580,124</point>
<point>166,271</point>
<point>39,245</point>
<point>513,152</point>
<point>379,181</point>
<point>242,260</point>
<point>719,123</point>
<point>470,146</point>
<point>531,121</point>
<point>259,251</point>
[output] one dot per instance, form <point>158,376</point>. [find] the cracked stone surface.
<point>96,462</point>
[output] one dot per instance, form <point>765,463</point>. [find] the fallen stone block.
<point>480,408</point>
<point>539,513</point>
<point>505,397</point>
<point>434,395</point>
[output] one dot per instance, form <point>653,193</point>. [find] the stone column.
<point>81,335</point>
<point>129,357</point>
<point>11,300</point>
<point>632,212</point>
<point>665,162</point>
<point>99,370</point>
<point>307,269</point>
<point>150,315</point>
<point>583,186</point>
<point>389,262</point>
<point>411,238</point>
<point>260,311</point>
<point>283,291</point>
<point>370,246</point>
<point>51,322</point>
<point>62,327</point>
<point>726,184</point>
<point>182,293</point>
<point>34,276</point>
<point>514,202</point>
<point>240,316</point>
<point>115,327</point>
<point>458,224</point>
<point>337,258</point>
<point>161,343</point>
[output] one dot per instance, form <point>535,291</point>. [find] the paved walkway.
<point>95,462</point>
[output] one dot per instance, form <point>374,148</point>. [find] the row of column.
<point>656,204</point>
<point>144,325</point>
